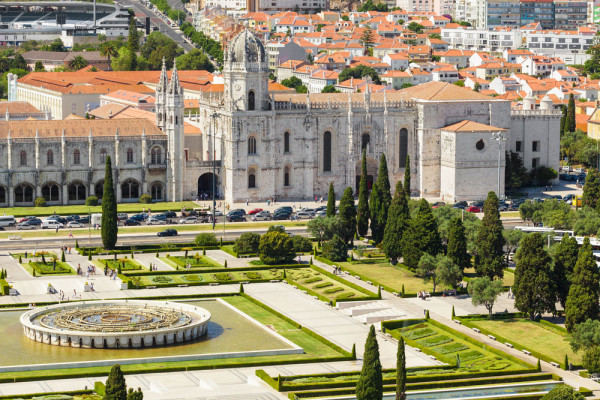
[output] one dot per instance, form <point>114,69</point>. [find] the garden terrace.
<point>125,264</point>
<point>205,278</point>
<point>196,261</point>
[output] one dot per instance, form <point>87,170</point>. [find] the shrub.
<point>253,275</point>
<point>91,201</point>
<point>334,289</point>
<point>276,248</point>
<point>145,198</point>
<point>162,279</point>
<point>192,278</point>
<point>39,202</point>
<point>313,279</point>
<point>323,285</point>
<point>452,348</point>
<point>301,244</point>
<point>206,239</point>
<point>335,249</point>
<point>247,243</point>
<point>223,277</point>
<point>435,341</point>
<point>344,295</point>
<point>419,333</point>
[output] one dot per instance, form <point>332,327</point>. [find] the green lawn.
<point>49,268</point>
<point>208,277</point>
<point>124,263</point>
<point>196,260</point>
<point>322,284</point>
<point>394,276</point>
<point>84,210</point>
<point>534,336</point>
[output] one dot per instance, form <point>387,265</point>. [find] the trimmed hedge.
<point>274,383</point>
<point>4,287</point>
<point>67,393</point>
<point>345,282</point>
<point>99,388</point>
<point>213,270</point>
<point>149,248</point>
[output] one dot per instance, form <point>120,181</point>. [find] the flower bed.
<point>49,268</point>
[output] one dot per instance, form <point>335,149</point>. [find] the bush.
<point>206,239</point>
<point>335,249</point>
<point>276,248</point>
<point>145,198</point>
<point>91,201</point>
<point>40,202</point>
<point>223,277</point>
<point>247,243</point>
<point>301,244</point>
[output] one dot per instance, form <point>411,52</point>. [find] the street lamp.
<point>214,184</point>
<point>500,138</point>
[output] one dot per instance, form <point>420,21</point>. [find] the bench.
<point>184,285</point>
<point>396,294</point>
<point>150,287</point>
<point>554,364</point>
<point>245,282</point>
<point>370,283</point>
<point>305,292</point>
<point>526,352</point>
<point>243,256</point>
<point>213,284</point>
<point>274,280</point>
<point>476,330</point>
<point>509,345</point>
<point>457,321</point>
<point>433,357</point>
<point>492,337</point>
<point>357,277</point>
<point>15,237</point>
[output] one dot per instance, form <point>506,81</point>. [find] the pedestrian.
<point>69,249</point>
<point>56,228</point>
<point>247,202</point>
<point>70,233</point>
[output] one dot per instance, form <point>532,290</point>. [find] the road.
<point>156,20</point>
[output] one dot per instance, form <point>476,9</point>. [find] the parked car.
<point>138,217</point>
<point>189,220</point>
<point>322,214</point>
<point>85,219</point>
<point>282,215</point>
<point>262,216</point>
<point>284,208</point>
<point>35,221</point>
<point>438,204</point>
<point>569,198</point>
<point>74,224</point>
<point>25,219</point>
<point>474,209</point>
<point>239,211</point>
<point>162,217</point>
<point>167,232</point>
<point>122,216</point>
<point>52,224</point>
<point>131,222</point>
<point>73,218</point>
<point>322,208</point>
<point>255,211</point>
<point>155,221</point>
<point>170,214</point>
<point>25,225</point>
<point>461,204</point>
<point>307,213</point>
<point>235,217</point>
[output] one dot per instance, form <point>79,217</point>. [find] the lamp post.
<point>500,138</point>
<point>89,224</point>
<point>214,156</point>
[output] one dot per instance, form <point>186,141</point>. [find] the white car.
<point>155,221</point>
<point>262,216</point>
<point>74,224</point>
<point>307,213</point>
<point>189,220</point>
<point>25,225</point>
<point>51,224</point>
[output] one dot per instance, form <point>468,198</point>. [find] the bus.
<point>7,220</point>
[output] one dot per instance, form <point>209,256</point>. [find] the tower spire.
<point>174,86</point>
<point>163,81</point>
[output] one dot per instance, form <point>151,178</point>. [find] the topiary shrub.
<point>145,198</point>
<point>247,243</point>
<point>335,249</point>
<point>91,201</point>
<point>206,239</point>
<point>39,202</point>
<point>301,244</point>
<point>276,248</point>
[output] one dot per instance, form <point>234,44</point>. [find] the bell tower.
<point>160,97</point>
<point>173,127</point>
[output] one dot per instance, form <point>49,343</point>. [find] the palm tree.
<point>109,50</point>
<point>78,63</point>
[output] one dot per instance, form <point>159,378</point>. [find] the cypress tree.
<point>370,382</point>
<point>380,201</point>
<point>534,286</point>
<point>62,257</point>
<point>563,119</point>
<point>109,209</point>
<point>407,188</point>
<point>582,301</point>
<point>565,258</point>
<point>591,189</point>
<point>133,40</point>
<point>362,215</point>
<point>570,124</point>
<point>489,257</point>
<point>421,237</point>
<point>347,216</point>
<point>401,371</point>
<point>457,244</point>
<point>116,389</point>
<point>397,222</point>
<point>331,201</point>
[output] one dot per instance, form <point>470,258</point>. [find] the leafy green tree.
<point>125,61</point>
<point>135,394</point>
<point>301,244</point>
<point>457,244</point>
<point>592,66</point>
<point>133,38</point>
<point>563,392</point>
<point>247,243</point>
<point>484,291</point>
<point>116,389</point>
<point>362,214</point>
<point>194,60</point>
<point>108,50</point>
<point>512,237</point>
<point>447,271</point>
<point>489,256</point>
<point>415,27</point>
<point>347,216</point>
<point>292,82</point>
<point>156,47</point>
<point>206,239</point>
<point>591,189</point>
<point>426,269</point>
<point>421,237</point>
<point>329,89</point>
<point>366,39</point>
<point>570,122</point>
<point>534,288</point>
<point>331,201</point>
<point>585,335</point>
<point>78,63</point>
<point>407,187</point>
<point>323,228</point>
<point>401,371</point>
<point>358,73</point>
<point>565,257</point>
<point>397,222</point>
<point>370,381</point>
<point>109,209</point>
<point>591,360</point>
<point>380,200</point>
<point>335,249</point>
<point>582,301</point>
<point>18,62</point>
<point>514,171</point>
<point>39,67</point>
<point>276,248</point>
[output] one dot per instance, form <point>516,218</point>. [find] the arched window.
<point>286,142</point>
<point>251,178</point>
<point>24,193</point>
<point>51,192</point>
<point>2,194</point>
<point>130,189</point>
<point>156,191</point>
<point>103,156</point>
<point>251,100</point>
<point>23,157</point>
<point>76,157</point>
<point>402,147</point>
<point>155,155</point>
<point>365,140</point>
<point>76,191</point>
<point>129,156</point>
<point>50,157</point>
<point>286,176</point>
<point>251,145</point>
<point>327,152</point>
<point>99,189</point>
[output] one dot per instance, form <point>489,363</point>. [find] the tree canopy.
<point>358,73</point>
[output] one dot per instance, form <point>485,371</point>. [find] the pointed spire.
<point>164,80</point>
<point>174,86</point>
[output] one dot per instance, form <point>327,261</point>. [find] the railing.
<point>535,112</point>
<point>356,105</point>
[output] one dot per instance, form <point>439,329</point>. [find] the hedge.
<point>214,270</point>
<point>4,287</point>
<point>99,388</point>
<point>274,383</point>
<point>148,248</point>
<point>345,282</point>
<point>467,322</point>
<point>67,393</point>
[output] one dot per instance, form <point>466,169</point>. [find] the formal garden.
<point>195,261</point>
<point>43,263</point>
<point>120,264</point>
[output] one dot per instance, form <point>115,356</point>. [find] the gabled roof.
<point>471,126</point>
<point>440,91</point>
